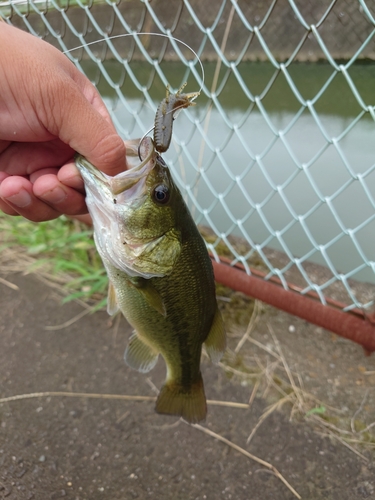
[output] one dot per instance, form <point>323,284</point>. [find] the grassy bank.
<point>61,249</point>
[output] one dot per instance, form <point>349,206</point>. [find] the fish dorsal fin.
<point>112,306</point>
<point>139,355</point>
<point>216,343</point>
<point>150,294</point>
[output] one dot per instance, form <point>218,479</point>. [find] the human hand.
<point>48,111</point>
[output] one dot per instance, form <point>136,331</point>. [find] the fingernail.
<point>21,199</point>
<point>56,195</point>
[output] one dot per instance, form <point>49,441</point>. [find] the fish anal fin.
<point>112,306</point>
<point>139,355</point>
<point>215,342</point>
<point>190,404</point>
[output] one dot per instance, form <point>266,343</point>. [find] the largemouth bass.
<point>160,274</point>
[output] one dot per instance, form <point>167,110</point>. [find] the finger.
<point>16,191</point>
<point>44,171</point>
<point>22,158</point>
<point>4,145</point>
<point>4,207</point>
<point>3,176</point>
<point>99,142</point>
<point>86,219</point>
<point>18,194</point>
<point>7,209</point>
<point>92,95</point>
<point>69,175</point>
<point>60,197</point>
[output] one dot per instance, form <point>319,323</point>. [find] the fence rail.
<point>277,158</point>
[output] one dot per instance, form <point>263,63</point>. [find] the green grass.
<point>61,246</point>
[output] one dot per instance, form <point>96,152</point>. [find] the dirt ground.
<point>82,448</point>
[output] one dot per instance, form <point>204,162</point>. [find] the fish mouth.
<point>129,184</point>
<point>108,199</point>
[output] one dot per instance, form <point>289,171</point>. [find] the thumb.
<point>82,121</point>
<point>45,84</point>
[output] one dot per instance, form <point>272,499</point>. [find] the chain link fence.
<point>277,157</point>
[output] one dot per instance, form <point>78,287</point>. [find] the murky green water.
<point>298,193</point>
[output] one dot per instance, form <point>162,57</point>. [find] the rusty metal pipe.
<point>353,327</point>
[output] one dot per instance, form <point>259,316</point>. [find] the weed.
<point>59,247</point>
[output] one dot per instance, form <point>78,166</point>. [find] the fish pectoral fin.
<point>154,299</point>
<point>216,343</point>
<point>139,355</point>
<point>150,294</point>
<point>112,306</point>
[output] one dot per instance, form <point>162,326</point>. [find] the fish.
<point>160,275</point>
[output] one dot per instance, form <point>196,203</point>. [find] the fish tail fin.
<point>188,403</point>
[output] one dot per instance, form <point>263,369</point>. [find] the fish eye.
<point>161,194</point>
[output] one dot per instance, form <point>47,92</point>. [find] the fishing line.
<point>134,34</point>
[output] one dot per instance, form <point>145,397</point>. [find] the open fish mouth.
<point>128,185</point>
<point>108,199</point>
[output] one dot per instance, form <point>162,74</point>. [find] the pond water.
<point>269,172</point>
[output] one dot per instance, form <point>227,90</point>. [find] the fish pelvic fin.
<point>216,342</point>
<point>139,355</point>
<point>188,403</point>
<point>112,306</point>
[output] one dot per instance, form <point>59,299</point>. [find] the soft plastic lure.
<point>165,115</point>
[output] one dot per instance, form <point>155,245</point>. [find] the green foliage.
<point>61,246</point>
<point>318,410</point>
